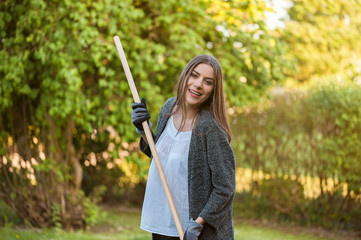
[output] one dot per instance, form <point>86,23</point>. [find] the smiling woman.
<point>192,140</point>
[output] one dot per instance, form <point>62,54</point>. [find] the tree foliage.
<point>324,37</point>
<point>64,98</point>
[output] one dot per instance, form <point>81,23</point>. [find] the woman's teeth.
<point>195,93</point>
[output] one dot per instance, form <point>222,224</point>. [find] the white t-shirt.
<point>173,148</point>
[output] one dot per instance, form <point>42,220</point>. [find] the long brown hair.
<point>215,103</point>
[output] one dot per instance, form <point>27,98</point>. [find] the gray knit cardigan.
<point>211,174</point>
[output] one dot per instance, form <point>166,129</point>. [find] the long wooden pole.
<point>149,137</point>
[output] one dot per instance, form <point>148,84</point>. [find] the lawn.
<point>119,223</point>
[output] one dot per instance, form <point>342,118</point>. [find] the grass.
<point>248,232</point>
<point>120,223</point>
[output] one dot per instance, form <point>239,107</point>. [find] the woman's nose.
<point>198,83</point>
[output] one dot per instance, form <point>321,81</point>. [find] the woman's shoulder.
<point>207,123</point>
<point>170,102</point>
<point>210,130</point>
<point>168,105</point>
<point>206,118</point>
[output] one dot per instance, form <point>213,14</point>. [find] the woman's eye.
<point>209,82</point>
<point>193,75</point>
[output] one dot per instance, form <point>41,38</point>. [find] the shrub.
<point>7,214</point>
<point>300,138</point>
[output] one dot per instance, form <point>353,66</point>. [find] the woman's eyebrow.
<point>206,77</point>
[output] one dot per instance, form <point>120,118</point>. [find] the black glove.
<point>194,229</point>
<point>140,114</point>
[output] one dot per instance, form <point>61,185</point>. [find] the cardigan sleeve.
<point>221,162</point>
<point>144,147</point>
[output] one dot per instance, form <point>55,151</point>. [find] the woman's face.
<point>200,85</point>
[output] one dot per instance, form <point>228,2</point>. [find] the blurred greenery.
<point>7,215</point>
<point>323,37</point>
<point>297,137</point>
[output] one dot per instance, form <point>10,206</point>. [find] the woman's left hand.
<point>193,231</point>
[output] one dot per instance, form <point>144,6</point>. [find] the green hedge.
<point>303,135</point>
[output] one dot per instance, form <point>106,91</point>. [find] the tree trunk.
<point>72,157</point>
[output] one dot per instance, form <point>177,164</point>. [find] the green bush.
<point>92,212</point>
<point>334,113</point>
<point>296,135</point>
<point>7,215</point>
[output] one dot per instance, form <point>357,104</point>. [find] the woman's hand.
<point>194,230</point>
<point>200,220</point>
<point>140,114</point>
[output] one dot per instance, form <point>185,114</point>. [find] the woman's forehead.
<point>205,69</point>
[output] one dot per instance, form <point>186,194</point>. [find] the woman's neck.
<point>189,118</point>
<point>191,113</point>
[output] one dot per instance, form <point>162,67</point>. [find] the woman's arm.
<point>221,162</point>
<point>143,145</point>
<point>144,139</point>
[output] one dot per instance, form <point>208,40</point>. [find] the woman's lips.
<point>194,93</point>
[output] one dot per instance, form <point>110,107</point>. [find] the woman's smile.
<point>194,93</point>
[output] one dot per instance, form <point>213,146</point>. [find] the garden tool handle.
<point>149,137</point>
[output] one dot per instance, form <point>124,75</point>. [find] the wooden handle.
<point>149,137</point>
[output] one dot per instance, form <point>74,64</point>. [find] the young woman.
<point>192,140</point>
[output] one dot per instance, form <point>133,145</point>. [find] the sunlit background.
<point>292,79</point>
